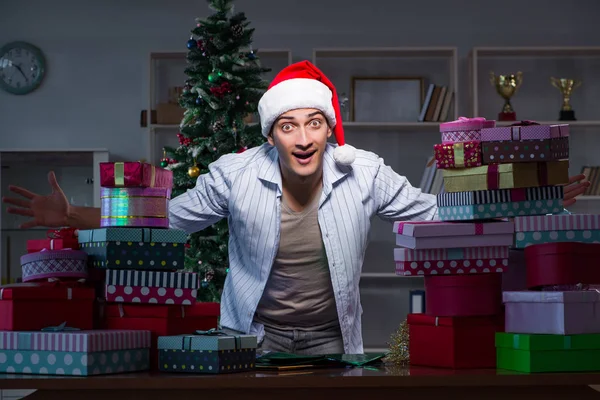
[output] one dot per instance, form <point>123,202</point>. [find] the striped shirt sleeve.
<point>205,204</point>
<point>397,199</point>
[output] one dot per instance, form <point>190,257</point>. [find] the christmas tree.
<point>223,86</point>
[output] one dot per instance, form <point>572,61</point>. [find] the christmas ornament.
<point>204,284</point>
<point>213,77</point>
<point>237,31</point>
<point>164,162</point>
<point>218,126</point>
<point>194,171</point>
<point>251,55</point>
<point>192,44</point>
<point>399,353</point>
<point>199,100</point>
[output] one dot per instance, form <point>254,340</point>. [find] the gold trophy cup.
<point>506,86</point>
<point>566,87</point>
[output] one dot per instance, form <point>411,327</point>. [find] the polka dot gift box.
<point>65,351</point>
<point>525,141</point>
<point>207,352</point>
<point>556,228</point>
<point>134,248</point>
<point>151,287</point>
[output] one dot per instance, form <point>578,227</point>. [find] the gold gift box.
<point>510,176</point>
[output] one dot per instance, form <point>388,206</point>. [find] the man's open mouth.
<point>304,155</point>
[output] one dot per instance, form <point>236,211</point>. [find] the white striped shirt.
<point>246,188</point>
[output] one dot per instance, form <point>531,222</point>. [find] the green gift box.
<point>134,248</point>
<point>547,353</point>
<point>207,352</point>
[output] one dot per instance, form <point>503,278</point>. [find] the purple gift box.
<point>558,313</point>
<point>445,235</point>
<point>529,131</point>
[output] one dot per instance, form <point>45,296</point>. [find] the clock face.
<point>22,67</point>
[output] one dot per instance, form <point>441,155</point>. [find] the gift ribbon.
<point>542,170</point>
<point>60,328</point>
<point>119,174</point>
<point>493,177</point>
<point>459,154</point>
<point>455,254</point>
<point>518,194</point>
<point>401,224</point>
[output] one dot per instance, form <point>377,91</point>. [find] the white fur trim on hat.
<point>292,94</point>
<point>345,154</point>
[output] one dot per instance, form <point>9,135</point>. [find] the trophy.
<point>566,87</point>
<point>506,86</point>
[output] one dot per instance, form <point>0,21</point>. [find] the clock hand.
<point>21,71</point>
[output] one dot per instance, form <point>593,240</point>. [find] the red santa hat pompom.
<point>303,85</point>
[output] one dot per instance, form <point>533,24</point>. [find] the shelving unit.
<point>78,174</point>
<point>167,70</point>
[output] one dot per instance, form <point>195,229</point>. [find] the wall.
<point>98,51</point>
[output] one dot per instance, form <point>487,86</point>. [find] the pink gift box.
<point>469,260</point>
<point>151,287</point>
<point>464,129</point>
<point>558,313</point>
<point>442,234</point>
<point>529,131</point>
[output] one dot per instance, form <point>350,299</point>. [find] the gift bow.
<point>60,328</point>
<point>211,332</point>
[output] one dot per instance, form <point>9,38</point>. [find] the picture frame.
<point>386,99</point>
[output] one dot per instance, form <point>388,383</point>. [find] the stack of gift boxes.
<point>490,173</point>
<point>47,321</point>
<point>116,296</point>
<point>138,261</point>
<point>553,325</point>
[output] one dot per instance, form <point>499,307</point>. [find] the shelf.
<point>352,52</point>
<point>360,125</point>
<point>550,51</point>
<point>571,123</point>
<point>181,55</point>
<point>588,198</point>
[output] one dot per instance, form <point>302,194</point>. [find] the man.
<point>299,213</point>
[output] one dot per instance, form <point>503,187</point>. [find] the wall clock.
<point>22,67</point>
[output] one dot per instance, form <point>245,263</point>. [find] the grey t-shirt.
<point>298,293</point>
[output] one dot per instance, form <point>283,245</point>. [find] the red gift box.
<point>162,320</point>
<point>34,306</point>
<point>562,263</point>
<point>453,342</point>
<point>58,239</point>
<point>458,155</point>
<point>463,295</point>
<point>134,174</point>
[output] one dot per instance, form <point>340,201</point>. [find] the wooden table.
<point>338,384</point>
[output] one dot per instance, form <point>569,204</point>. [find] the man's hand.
<point>51,210</point>
<point>577,186</point>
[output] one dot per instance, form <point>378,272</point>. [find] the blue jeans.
<point>302,342</point>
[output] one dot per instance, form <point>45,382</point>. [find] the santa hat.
<point>303,85</point>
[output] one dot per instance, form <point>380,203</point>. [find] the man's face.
<point>300,137</point>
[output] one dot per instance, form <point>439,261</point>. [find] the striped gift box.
<point>80,341</point>
<point>499,196</point>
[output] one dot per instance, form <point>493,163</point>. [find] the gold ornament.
<point>399,353</point>
<point>194,171</point>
